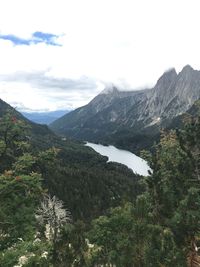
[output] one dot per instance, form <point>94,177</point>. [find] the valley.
<point>94,205</point>
<point>44,117</point>
<point>99,133</point>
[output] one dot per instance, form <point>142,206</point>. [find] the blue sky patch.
<point>37,37</point>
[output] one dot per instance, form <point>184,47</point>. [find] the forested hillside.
<point>64,206</point>
<point>161,228</point>
<point>77,174</point>
<point>36,166</point>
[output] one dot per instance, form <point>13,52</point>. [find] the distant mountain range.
<point>44,117</point>
<point>132,119</point>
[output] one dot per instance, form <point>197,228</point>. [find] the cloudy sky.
<point>59,54</point>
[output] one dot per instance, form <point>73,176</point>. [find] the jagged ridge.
<point>114,111</point>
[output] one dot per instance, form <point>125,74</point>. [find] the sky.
<point>59,54</point>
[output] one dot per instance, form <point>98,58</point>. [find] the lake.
<point>137,164</point>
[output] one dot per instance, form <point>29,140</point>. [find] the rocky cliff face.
<point>173,94</point>
<point>113,110</point>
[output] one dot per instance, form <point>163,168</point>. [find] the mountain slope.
<point>79,176</point>
<point>115,115</point>
<point>35,128</point>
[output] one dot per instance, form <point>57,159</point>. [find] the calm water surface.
<point>137,164</point>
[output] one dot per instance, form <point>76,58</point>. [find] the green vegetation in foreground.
<point>30,170</point>
<point>154,227</point>
<point>162,227</point>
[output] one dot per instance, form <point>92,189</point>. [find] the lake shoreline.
<point>132,161</point>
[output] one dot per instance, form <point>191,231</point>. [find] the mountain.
<point>44,117</point>
<point>36,130</point>
<point>80,177</point>
<point>132,119</point>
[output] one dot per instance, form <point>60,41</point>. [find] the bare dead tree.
<point>53,215</point>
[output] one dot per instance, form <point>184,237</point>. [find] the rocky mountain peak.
<point>162,92</point>
<point>166,79</point>
<point>188,75</point>
<point>187,69</point>
<point>110,90</point>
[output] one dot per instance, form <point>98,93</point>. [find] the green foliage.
<point>174,192</point>
<point>19,197</point>
<point>122,235</point>
<point>75,246</point>
<point>20,190</point>
<point>24,164</point>
<point>27,254</point>
<point>88,184</point>
<point>12,139</point>
<point>81,178</point>
<point>145,222</point>
<point>162,227</point>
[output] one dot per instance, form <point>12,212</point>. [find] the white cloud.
<point>122,41</point>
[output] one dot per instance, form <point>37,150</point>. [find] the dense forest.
<point>63,205</point>
<point>35,167</point>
